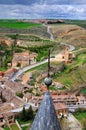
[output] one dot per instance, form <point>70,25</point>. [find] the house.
<point>23,59</point>
<point>9,117</point>
<point>68,99</point>
<point>27,97</point>
<point>81,99</point>
<point>61,109</point>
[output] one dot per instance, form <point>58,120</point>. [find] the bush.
<point>19,94</point>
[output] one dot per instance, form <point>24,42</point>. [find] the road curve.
<point>20,71</point>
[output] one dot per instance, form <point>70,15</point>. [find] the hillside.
<point>70,34</point>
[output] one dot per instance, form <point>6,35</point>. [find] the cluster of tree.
<point>26,115</point>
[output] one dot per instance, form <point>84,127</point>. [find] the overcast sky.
<point>41,9</point>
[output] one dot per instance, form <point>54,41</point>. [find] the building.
<point>9,72</point>
<point>67,56</point>
<point>61,109</point>
<point>68,99</point>
<point>23,59</point>
<point>9,117</point>
<point>27,96</point>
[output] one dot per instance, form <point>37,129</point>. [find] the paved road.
<point>14,77</point>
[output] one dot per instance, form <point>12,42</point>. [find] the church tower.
<point>46,118</point>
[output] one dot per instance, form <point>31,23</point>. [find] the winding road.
<point>21,71</point>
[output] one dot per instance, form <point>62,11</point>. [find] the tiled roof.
<point>46,118</point>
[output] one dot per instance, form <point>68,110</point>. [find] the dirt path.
<point>74,124</point>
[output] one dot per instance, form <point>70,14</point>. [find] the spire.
<point>48,64</point>
<point>46,118</point>
<point>48,80</point>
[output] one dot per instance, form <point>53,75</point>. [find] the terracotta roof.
<point>59,106</point>
<point>8,114</point>
<point>5,107</point>
<point>9,71</point>
<point>7,94</point>
<point>17,102</point>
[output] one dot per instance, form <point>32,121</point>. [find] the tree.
<point>30,114</point>
<point>23,114</point>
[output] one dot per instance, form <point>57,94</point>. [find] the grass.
<point>6,128</point>
<point>14,127</point>
<point>80,115</point>
<point>83,91</point>
<point>17,25</point>
<point>25,128</point>
<point>24,122</point>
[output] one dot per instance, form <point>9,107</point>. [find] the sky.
<point>43,9</point>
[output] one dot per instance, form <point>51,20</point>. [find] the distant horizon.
<point>40,19</point>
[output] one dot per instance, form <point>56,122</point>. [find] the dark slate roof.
<point>46,118</point>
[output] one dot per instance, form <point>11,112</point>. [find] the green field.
<point>17,25</point>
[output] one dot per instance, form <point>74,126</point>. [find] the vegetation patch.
<point>14,127</point>
<point>6,128</point>
<point>83,91</point>
<point>18,25</point>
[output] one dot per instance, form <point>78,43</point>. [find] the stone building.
<point>23,59</point>
<point>67,55</point>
